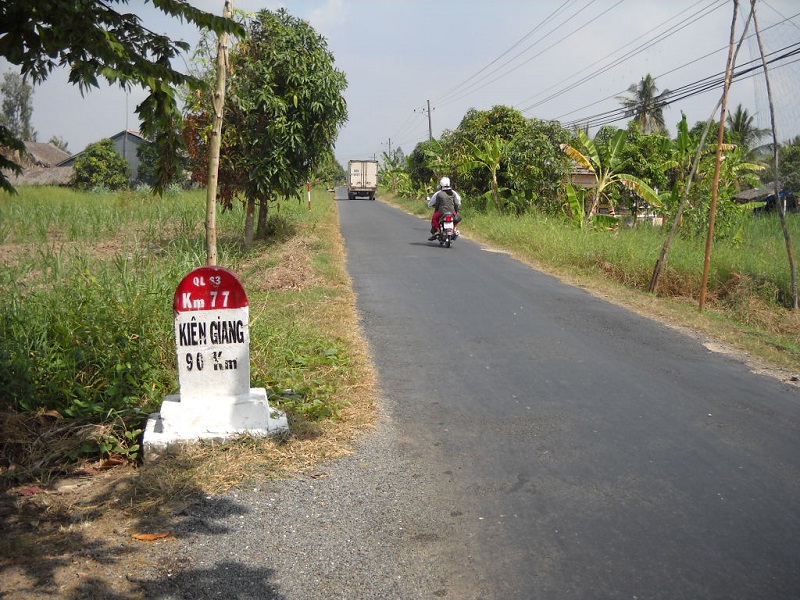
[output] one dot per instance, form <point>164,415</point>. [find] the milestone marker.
<point>212,341</point>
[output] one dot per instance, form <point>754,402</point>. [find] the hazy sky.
<point>552,59</point>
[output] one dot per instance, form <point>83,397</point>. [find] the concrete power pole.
<point>430,123</point>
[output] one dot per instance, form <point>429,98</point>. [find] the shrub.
<point>101,165</point>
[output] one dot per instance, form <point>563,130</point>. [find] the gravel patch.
<point>367,526</point>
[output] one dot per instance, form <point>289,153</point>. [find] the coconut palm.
<point>743,131</point>
<point>646,105</point>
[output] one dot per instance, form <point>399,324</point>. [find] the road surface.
<point>534,442</point>
<point>587,452</point>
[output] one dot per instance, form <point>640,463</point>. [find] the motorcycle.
<point>447,232</point>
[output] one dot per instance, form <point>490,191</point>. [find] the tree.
<point>329,172</point>
<point>93,40</point>
<point>100,165</point>
<point>650,157</point>
<point>283,112</point>
<point>790,165</point>
<point>488,156</point>
<point>393,173</point>
<point>604,160</point>
<point>742,130</point>
<point>146,173</point>
<point>17,106</point>
<point>537,169</point>
<point>59,143</point>
<point>482,127</point>
<point>646,105</point>
<point>421,169</point>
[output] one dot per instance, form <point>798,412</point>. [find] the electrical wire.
<point>692,18</point>
<point>692,89</point>
<point>484,84</point>
<point>461,85</point>
<point>671,70</point>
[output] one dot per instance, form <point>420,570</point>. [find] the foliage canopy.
<point>101,166</point>
<point>282,112</point>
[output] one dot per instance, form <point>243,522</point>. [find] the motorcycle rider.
<point>445,200</point>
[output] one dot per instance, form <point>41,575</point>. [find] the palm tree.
<point>646,105</point>
<point>743,130</point>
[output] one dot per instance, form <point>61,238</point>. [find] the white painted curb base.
<point>214,418</point>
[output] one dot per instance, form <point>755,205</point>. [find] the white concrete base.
<point>214,418</point>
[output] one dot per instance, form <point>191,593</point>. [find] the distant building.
<point>126,143</point>
<point>766,194</point>
<point>39,166</point>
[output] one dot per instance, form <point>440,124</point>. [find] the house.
<point>39,166</point>
<point>126,143</point>
<point>766,194</point>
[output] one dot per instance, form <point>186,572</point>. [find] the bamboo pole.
<point>718,164</point>
<point>781,206</point>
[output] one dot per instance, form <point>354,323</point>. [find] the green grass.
<point>86,328</point>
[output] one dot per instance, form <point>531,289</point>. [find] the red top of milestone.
<point>209,288</point>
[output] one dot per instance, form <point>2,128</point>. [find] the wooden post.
<point>215,142</point>
<point>717,166</point>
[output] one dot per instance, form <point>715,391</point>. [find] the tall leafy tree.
<point>537,169</point>
<point>482,127</point>
<point>93,40</point>
<point>17,106</point>
<point>283,111</point>
<point>100,165</point>
<point>645,105</point>
<point>425,162</point>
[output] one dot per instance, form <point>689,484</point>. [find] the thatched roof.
<point>42,155</point>
<point>755,194</point>
<point>43,176</point>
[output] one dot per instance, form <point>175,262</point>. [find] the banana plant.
<point>604,162</point>
<point>489,156</point>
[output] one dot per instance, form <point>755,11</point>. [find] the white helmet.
<point>444,183</point>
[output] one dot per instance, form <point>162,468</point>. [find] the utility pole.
<point>430,124</point>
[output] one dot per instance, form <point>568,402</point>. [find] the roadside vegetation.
<point>86,329</point>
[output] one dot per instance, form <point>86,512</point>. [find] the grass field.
<point>86,331</point>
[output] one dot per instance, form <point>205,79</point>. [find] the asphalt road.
<point>534,442</point>
<point>584,451</point>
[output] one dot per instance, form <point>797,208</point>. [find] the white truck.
<point>362,179</point>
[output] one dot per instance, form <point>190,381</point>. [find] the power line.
<point>669,72</point>
<point>692,89</point>
<point>459,86</point>
<point>673,29</point>
<point>486,83</point>
<point>690,20</point>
